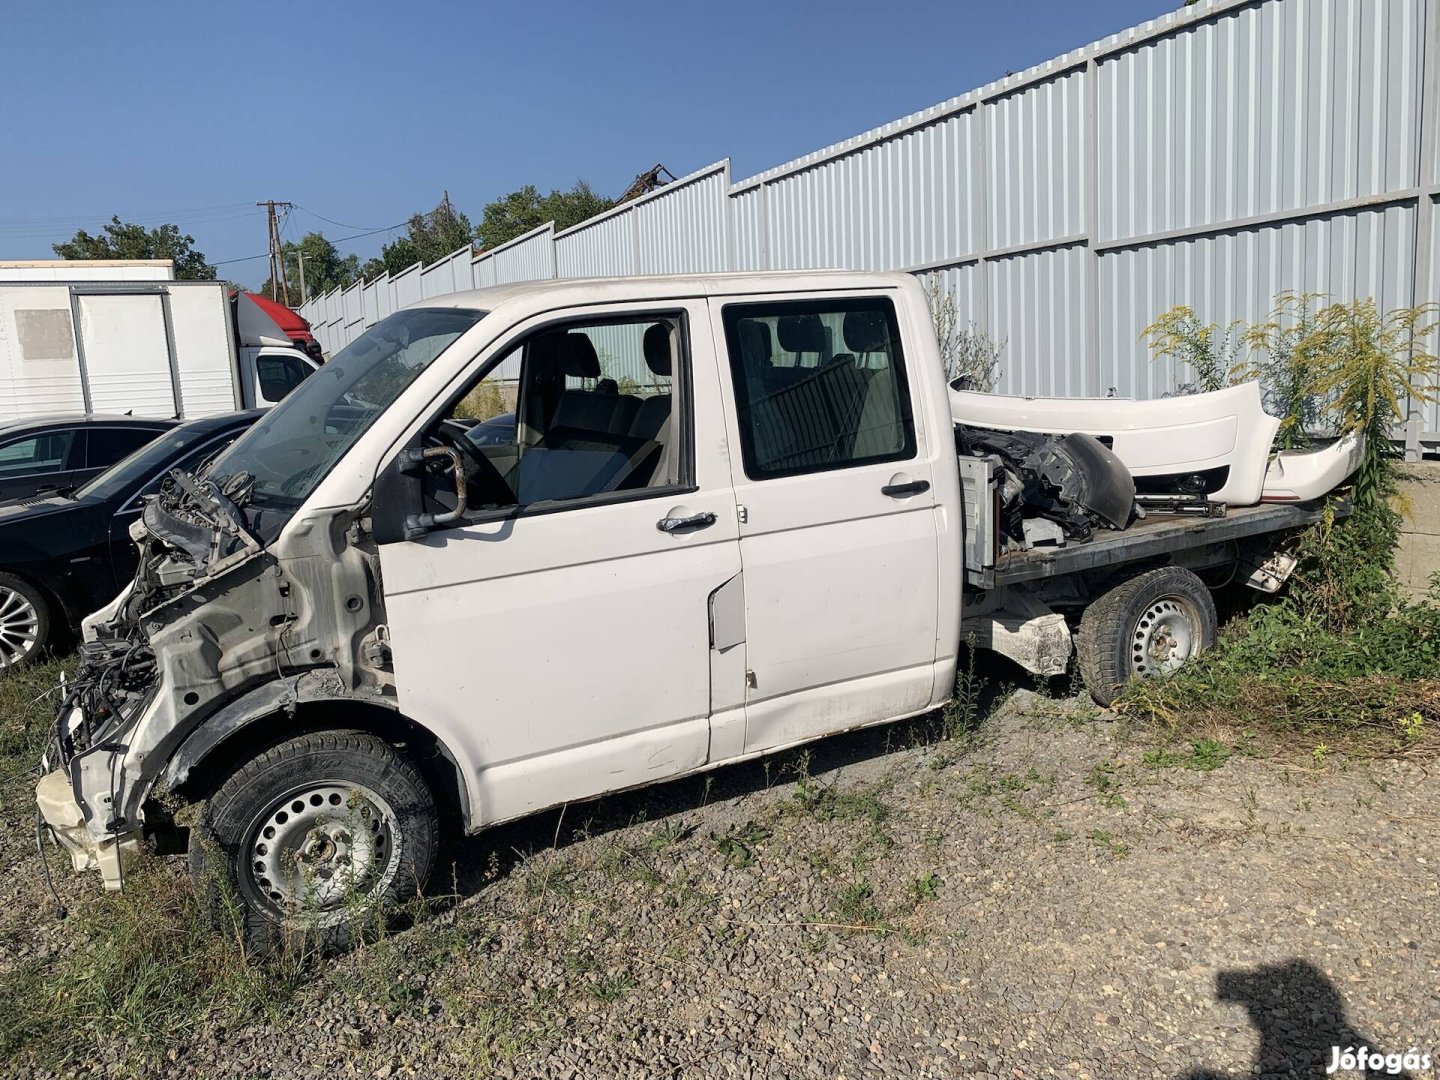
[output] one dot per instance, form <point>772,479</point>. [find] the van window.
<point>819,385</point>
<point>573,412</point>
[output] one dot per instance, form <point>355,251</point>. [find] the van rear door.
<point>838,536</point>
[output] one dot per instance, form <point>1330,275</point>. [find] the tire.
<point>1147,625</point>
<point>315,842</point>
<point>24,621</point>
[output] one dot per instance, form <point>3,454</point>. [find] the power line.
<point>338,240</point>
<point>340,224</point>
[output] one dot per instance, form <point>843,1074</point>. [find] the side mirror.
<point>395,509</point>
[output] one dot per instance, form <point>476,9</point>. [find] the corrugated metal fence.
<point>1214,157</point>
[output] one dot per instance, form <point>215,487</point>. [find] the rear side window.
<point>819,385</point>
<point>43,453</point>
<point>105,446</point>
<point>279,375</point>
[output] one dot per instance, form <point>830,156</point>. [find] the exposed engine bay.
<point>210,617</point>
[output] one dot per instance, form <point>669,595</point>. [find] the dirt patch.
<point>1057,896</point>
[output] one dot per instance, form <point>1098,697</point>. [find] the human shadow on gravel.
<point>1301,1018</point>
<point>469,863</point>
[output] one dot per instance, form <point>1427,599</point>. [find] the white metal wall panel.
<point>447,275</point>
<point>683,230</point>
<point>483,271</point>
<point>1244,146</point>
<point>435,280</point>
<point>354,311</point>
<point>895,204</point>
<point>405,287</point>
<point>1035,150</point>
<point>1236,276</point>
<point>1284,105</point>
<point>1429,292</point>
<point>1037,311</point>
<point>606,248</point>
<point>384,300</point>
<point>529,259</point>
<point>747,221</point>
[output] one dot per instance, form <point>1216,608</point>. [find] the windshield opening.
<point>295,445</point>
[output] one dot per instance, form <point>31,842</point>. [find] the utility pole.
<point>301,256</point>
<point>277,253</point>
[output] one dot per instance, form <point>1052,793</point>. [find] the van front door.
<point>558,637</point>
<point>839,531</point>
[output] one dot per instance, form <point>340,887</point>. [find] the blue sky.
<point>363,112</point>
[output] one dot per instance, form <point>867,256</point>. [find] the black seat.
<point>602,411</point>
<point>653,413</point>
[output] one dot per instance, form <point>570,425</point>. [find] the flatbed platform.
<point>1159,534</point>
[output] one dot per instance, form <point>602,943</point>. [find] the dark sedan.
<point>63,555</point>
<point>51,453</point>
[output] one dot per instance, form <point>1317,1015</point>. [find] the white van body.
<point>163,348</point>
<point>804,554</point>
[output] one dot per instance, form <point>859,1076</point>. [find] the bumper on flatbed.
<point>63,817</point>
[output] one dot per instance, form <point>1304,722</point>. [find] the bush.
<point>1343,648</point>
<point>1208,352</point>
<point>966,351</point>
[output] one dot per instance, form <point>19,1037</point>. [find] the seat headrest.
<point>867,331</point>
<point>607,386</point>
<point>657,348</point>
<point>802,333</point>
<point>755,343</point>
<point>576,356</point>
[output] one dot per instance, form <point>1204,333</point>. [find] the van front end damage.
<point>212,616</point>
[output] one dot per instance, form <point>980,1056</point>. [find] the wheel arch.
<point>208,754</point>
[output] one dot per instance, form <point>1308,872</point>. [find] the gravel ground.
<point>1058,896</point>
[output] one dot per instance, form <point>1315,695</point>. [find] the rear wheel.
<point>317,839</point>
<point>1148,626</point>
<point>24,621</point>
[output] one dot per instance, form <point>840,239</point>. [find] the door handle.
<point>685,524</point>
<point>915,487</point>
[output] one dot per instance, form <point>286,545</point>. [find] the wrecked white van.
<point>531,544</point>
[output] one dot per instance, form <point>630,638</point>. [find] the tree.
<point>127,240</point>
<point>428,237</point>
<point>325,267</point>
<point>520,211</point>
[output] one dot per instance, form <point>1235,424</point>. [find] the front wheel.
<point>315,839</point>
<point>1148,626</point>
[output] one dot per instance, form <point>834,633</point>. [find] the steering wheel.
<point>481,475</point>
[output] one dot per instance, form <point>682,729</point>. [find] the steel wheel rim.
<point>322,851</point>
<point>19,627</point>
<point>1165,636</point>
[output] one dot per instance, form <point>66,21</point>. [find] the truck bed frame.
<point>1158,535</point>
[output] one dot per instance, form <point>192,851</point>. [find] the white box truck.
<point>181,349</point>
